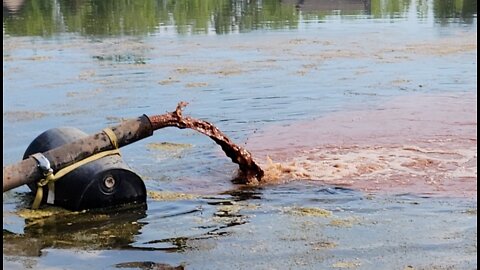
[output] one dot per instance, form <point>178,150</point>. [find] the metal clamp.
<point>43,163</point>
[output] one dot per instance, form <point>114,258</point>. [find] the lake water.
<point>362,113</point>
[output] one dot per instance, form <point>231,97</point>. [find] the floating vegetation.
<point>323,245</point>
<point>93,229</point>
<point>228,211</point>
<point>344,223</point>
<point>149,265</point>
<point>168,146</point>
<point>196,84</point>
<point>346,264</point>
<point>13,116</point>
<point>170,80</point>
<point>120,58</point>
<point>45,212</point>
<point>471,211</point>
<point>169,196</point>
<point>309,211</point>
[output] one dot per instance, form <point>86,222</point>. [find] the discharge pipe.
<point>28,170</point>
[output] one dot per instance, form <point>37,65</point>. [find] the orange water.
<point>424,144</point>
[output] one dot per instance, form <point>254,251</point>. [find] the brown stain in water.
<point>422,144</point>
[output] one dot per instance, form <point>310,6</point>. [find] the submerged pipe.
<point>130,131</point>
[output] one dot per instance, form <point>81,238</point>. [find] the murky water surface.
<point>362,113</point>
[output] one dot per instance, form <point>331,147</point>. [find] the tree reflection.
<point>389,9</point>
<point>461,11</point>
<point>142,17</point>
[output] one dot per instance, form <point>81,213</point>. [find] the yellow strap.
<point>51,178</point>
<point>111,135</point>
<point>38,197</point>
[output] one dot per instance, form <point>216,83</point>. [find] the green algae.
<point>169,196</point>
<point>345,222</point>
<point>346,264</point>
<point>309,211</point>
<point>168,146</point>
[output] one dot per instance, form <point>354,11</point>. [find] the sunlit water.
<point>361,109</point>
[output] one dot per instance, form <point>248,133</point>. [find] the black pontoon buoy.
<point>107,181</point>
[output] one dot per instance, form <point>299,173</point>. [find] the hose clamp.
<point>43,163</point>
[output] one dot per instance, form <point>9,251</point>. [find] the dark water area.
<point>361,113</point>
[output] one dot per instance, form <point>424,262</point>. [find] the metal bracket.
<point>43,163</point>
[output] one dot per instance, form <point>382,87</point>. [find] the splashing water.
<point>424,144</point>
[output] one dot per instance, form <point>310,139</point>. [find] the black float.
<point>104,182</point>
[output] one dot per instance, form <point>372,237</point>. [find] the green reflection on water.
<point>390,9</point>
<point>111,17</point>
<point>459,10</point>
<point>141,17</point>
